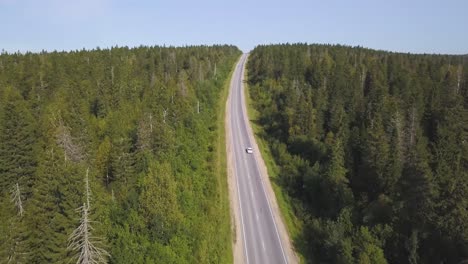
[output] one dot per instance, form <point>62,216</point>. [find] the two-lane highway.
<point>259,232</point>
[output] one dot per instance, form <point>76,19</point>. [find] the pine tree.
<point>62,110</point>
<point>17,143</point>
<point>53,203</point>
<point>394,124</point>
<point>14,247</point>
<point>336,184</point>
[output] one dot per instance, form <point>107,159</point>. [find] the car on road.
<point>249,150</point>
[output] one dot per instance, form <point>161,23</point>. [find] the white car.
<point>249,150</point>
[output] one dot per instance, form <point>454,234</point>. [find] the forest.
<point>371,148</point>
<point>118,145</point>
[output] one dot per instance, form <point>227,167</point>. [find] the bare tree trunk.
<point>88,191</point>
<point>16,199</point>
<point>112,75</point>
<point>153,80</point>
<point>200,72</point>
<point>398,126</point>
<point>151,122</point>
<point>459,74</point>
<point>41,80</point>
<point>363,79</point>
<point>164,115</point>
<point>215,70</point>
<point>412,127</point>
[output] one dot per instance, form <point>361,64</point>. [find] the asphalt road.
<point>260,237</point>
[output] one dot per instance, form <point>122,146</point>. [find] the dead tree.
<point>82,240</point>
<point>153,80</point>
<point>144,132</point>
<point>412,128</point>
<point>398,126</point>
<point>459,75</point>
<point>112,75</point>
<point>71,149</point>
<point>200,73</point>
<point>151,122</point>
<point>16,199</point>
<point>87,190</point>
<point>164,115</point>
<point>215,71</point>
<point>183,88</point>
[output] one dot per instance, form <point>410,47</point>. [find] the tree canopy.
<point>372,150</point>
<point>143,121</point>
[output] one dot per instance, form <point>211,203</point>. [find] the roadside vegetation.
<point>369,149</point>
<point>142,127</point>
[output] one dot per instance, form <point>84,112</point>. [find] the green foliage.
<point>14,238</point>
<point>130,115</point>
<point>158,202</point>
<point>371,148</point>
<point>17,144</point>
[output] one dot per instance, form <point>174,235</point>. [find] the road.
<point>261,241</point>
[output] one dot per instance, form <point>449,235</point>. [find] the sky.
<point>414,26</point>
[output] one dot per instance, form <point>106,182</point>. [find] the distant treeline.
<point>372,149</point>
<point>143,121</point>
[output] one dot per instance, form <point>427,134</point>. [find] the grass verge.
<point>293,224</point>
<point>221,164</point>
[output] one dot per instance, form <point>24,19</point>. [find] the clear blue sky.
<point>409,26</point>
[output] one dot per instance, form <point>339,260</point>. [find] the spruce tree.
<point>17,144</point>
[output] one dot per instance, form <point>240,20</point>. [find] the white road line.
<point>242,221</point>
<point>258,170</point>
<point>243,161</point>
<point>238,190</point>
<point>235,104</point>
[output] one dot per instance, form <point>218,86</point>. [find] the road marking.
<point>244,113</point>
<point>237,83</point>
<point>238,198</point>
<point>242,220</point>
<point>247,180</point>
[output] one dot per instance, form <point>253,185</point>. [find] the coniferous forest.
<point>372,150</point>
<point>122,148</point>
<point>118,145</point>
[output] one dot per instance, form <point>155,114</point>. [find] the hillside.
<point>142,121</point>
<point>370,150</point>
